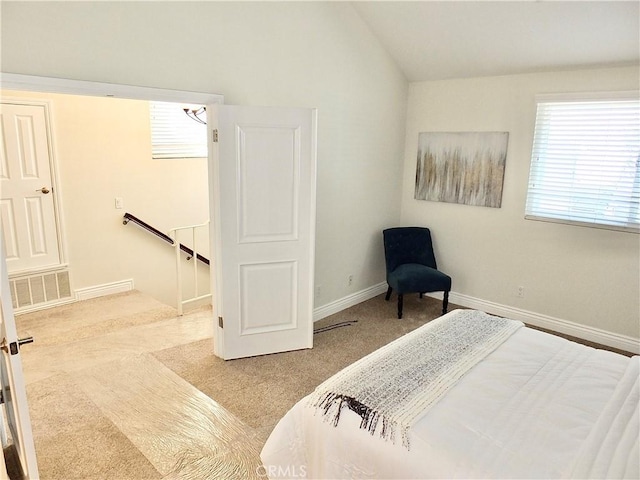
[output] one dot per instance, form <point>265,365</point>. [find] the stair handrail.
<point>128,217</point>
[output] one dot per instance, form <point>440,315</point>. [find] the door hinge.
<point>220,322</point>
<point>215,136</point>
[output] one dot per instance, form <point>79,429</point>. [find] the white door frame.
<point>32,83</point>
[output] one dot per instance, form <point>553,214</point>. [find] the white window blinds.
<point>174,134</point>
<point>585,163</point>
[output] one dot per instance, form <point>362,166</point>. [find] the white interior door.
<point>27,212</point>
<point>14,394</point>
<point>262,187</point>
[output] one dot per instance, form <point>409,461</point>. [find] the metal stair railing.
<point>197,295</point>
<point>172,239</point>
<point>128,217</point>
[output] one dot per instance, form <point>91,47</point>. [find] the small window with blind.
<point>585,162</point>
<point>178,130</point>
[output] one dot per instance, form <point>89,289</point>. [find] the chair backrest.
<point>408,245</point>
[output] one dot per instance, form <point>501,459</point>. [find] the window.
<point>174,134</point>
<point>585,162</point>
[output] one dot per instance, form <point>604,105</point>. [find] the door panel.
<point>26,145</point>
<point>262,188</point>
<point>35,224</point>
<point>28,213</point>
<point>257,296</point>
<point>268,211</point>
<point>8,224</point>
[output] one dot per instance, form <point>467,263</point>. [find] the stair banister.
<point>174,232</point>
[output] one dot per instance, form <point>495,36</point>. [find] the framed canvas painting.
<point>461,167</point>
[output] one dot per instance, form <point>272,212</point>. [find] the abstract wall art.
<point>461,167</point>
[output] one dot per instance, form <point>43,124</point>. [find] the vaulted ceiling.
<point>432,40</point>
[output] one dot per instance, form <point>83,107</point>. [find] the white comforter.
<point>537,407</point>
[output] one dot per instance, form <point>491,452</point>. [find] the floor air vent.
<point>41,289</point>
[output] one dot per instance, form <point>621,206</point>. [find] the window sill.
<point>600,226</point>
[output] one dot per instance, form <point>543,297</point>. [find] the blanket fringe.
<point>332,404</point>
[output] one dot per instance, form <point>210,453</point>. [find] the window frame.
<point>535,168</point>
<point>183,146</point>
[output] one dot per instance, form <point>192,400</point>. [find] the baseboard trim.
<point>43,306</point>
<point>348,301</point>
<point>104,289</point>
<point>566,327</point>
<point>591,334</point>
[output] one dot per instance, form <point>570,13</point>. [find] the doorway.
<point>103,150</point>
<point>269,153</point>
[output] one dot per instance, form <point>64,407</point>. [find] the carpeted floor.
<point>121,388</point>
<point>260,390</point>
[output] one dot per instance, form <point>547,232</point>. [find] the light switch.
<point>118,202</point>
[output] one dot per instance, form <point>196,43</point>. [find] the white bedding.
<point>539,406</point>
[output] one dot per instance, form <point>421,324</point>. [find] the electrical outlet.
<point>350,280</point>
<point>318,291</point>
<point>520,293</point>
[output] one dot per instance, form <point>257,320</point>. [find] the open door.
<point>262,201</point>
<point>14,394</point>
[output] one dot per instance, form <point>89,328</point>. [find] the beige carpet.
<point>260,390</point>
<point>120,387</point>
<point>98,316</point>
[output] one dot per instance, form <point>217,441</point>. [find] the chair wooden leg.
<point>400,306</point>
<point>445,302</point>
<point>388,296</point>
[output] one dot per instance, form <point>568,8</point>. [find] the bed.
<point>532,405</point>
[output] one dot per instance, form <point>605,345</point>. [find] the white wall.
<point>322,55</point>
<point>308,54</point>
<point>582,275</point>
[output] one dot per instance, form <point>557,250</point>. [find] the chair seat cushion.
<point>417,278</point>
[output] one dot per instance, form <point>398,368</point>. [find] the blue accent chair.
<point>411,265</point>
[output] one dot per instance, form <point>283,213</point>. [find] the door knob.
<point>44,190</point>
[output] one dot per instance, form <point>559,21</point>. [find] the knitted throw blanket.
<point>395,385</point>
